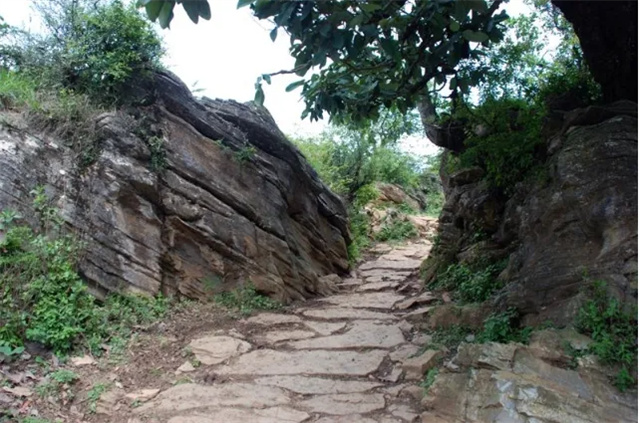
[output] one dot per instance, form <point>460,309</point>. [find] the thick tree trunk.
<point>608,33</point>
<point>450,137</point>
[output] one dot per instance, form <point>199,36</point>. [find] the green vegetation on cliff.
<point>43,299</point>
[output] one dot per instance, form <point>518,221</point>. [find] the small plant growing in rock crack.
<point>158,153</point>
<point>429,378</point>
<point>246,300</point>
<point>614,330</point>
<point>94,395</point>
<point>7,217</point>
<point>245,154</point>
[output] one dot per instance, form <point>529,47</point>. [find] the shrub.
<point>614,330</point>
<point>17,90</point>
<point>246,300</point>
<point>359,225</point>
<point>43,299</point>
<point>471,283</point>
<point>509,150</point>
<point>397,231</point>
<point>504,328</point>
<point>95,48</point>
<point>429,378</point>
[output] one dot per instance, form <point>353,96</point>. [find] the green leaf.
<point>259,97</point>
<point>153,9</point>
<point>243,3</point>
<point>294,85</point>
<point>267,78</point>
<point>192,9</point>
<point>454,26</point>
<point>370,7</point>
<point>166,14</point>
<point>274,33</point>
<point>478,5</point>
<point>477,37</point>
<point>205,10</point>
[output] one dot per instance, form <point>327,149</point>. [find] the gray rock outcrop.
<point>185,196</point>
<point>577,224</point>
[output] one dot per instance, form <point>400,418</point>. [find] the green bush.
<point>359,226</point>
<point>246,300</point>
<point>90,47</point>
<point>17,90</point>
<point>471,284</point>
<point>397,230</point>
<point>614,330</point>
<point>429,378</point>
<point>508,151</point>
<point>504,328</point>
<point>43,299</point>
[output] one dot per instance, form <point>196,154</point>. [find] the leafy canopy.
<point>373,54</point>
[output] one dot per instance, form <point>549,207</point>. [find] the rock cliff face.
<point>577,223</point>
<point>185,196</point>
<point>535,383</point>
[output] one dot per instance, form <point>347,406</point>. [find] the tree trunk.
<point>450,136</point>
<point>608,33</point>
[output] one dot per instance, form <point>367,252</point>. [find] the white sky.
<point>223,57</point>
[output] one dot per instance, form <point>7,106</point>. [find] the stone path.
<point>349,357</point>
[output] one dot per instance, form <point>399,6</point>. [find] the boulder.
<point>580,220</point>
<point>185,196</point>
<point>584,222</point>
<point>500,383</point>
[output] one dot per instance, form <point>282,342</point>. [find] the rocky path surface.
<point>350,357</point>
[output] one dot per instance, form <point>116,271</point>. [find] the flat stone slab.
<point>383,300</point>
<point>216,349</point>
<point>310,362</point>
<point>425,298</point>
<point>346,313</point>
<point>418,314</point>
<point>284,335</point>
<point>316,385</point>
<point>191,396</point>
<point>353,418</point>
<point>408,264</point>
<point>325,328</point>
<point>363,334</point>
<point>403,411</point>
<point>273,319</point>
<point>344,404</point>
<point>404,352</point>
<point>415,367</point>
<point>382,274</point>
<point>377,286</point>
<point>236,415</point>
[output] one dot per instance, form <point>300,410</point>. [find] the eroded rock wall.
<point>575,224</point>
<point>185,196</point>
